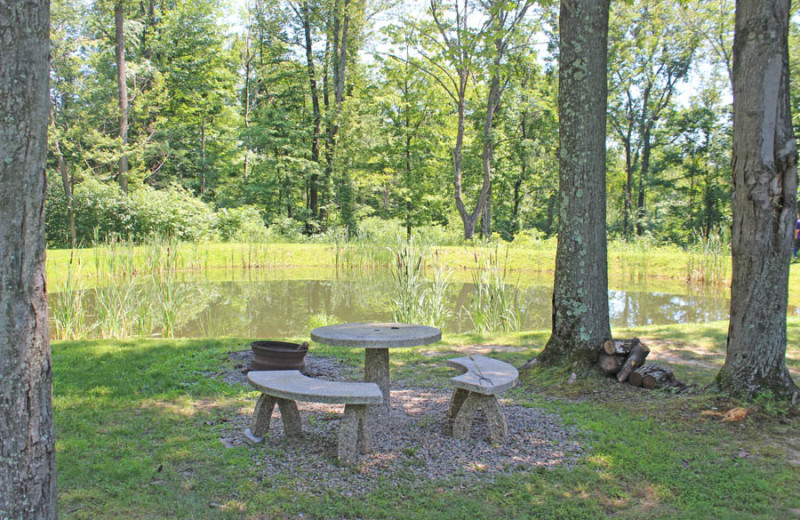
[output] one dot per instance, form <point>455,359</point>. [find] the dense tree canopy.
<point>311,115</point>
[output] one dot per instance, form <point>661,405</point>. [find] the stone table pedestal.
<point>377,339</point>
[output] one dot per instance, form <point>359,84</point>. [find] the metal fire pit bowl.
<point>278,355</point>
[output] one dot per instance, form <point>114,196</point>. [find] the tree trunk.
<point>487,155</point>
<point>580,292</point>
<point>486,216</point>
<point>27,443</point>
<point>122,84</point>
<point>248,68</point>
<point>764,202</point>
<point>305,12</point>
<point>467,219</point>
<point>202,157</point>
<point>67,181</point>
<point>644,171</point>
<point>341,28</point>
<point>628,187</point>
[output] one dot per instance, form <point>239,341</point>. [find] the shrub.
<point>103,210</point>
<point>171,212</point>
<point>239,223</point>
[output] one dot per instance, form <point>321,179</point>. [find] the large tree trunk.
<point>764,201</point>
<point>580,293</point>
<point>27,447</point>
<point>122,84</point>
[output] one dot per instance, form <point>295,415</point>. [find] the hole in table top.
<point>395,328</point>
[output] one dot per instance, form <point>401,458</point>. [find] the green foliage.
<point>171,212</point>
<point>239,223</point>
<point>230,117</point>
<point>103,210</point>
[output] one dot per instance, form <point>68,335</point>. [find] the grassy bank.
<point>624,259</point>
<point>140,424</point>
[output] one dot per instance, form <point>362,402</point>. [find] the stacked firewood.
<point>624,359</point>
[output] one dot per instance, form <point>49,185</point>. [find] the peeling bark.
<point>764,202</point>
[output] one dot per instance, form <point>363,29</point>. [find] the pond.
<point>288,302</point>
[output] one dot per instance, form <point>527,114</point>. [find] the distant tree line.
<point>314,115</point>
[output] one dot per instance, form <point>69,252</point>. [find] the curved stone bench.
<point>286,387</point>
<point>481,381</point>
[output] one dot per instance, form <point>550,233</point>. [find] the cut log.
<point>610,365</point>
<point>635,379</point>
<point>620,346</point>
<point>635,359</point>
<point>652,376</point>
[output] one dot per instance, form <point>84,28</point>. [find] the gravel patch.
<point>409,446</point>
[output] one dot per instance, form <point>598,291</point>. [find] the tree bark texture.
<point>122,85</point>
<point>764,201</point>
<point>580,292</point>
<point>27,447</point>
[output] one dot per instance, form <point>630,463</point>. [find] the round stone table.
<point>377,339</point>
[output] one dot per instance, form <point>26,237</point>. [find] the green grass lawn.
<point>139,425</point>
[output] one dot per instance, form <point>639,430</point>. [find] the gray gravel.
<point>409,446</point>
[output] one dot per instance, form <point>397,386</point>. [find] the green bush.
<point>171,212</point>
<point>103,210</point>
<point>239,223</point>
<point>98,206</point>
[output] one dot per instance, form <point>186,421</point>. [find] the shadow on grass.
<point>139,425</point>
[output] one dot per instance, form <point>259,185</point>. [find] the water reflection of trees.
<point>257,307</point>
<point>630,309</point>
<point>283,308</point>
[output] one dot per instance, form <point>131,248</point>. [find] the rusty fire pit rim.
<point>269,344</point>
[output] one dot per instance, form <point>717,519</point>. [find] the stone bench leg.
<point>463,408</point>
<point>263,415</point>
<point>354,433</point>
<point>459,395</point>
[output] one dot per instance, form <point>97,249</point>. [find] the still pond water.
<point>289,303</point>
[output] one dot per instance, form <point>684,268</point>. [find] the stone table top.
<point>376,335</point>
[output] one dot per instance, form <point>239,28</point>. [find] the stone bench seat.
<point>286,387</point>
<point>481,381</point>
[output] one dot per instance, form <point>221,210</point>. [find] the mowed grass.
<point>139,428</point>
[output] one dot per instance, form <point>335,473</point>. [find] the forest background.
<point>334,119</point>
